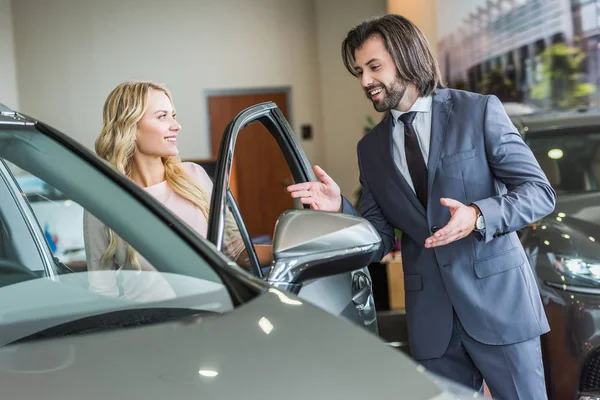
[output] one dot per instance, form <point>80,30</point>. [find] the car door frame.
<point>272,118</point>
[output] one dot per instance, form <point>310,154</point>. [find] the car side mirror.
<point>312,244</point>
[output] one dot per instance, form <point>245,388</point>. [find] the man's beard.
<point>393,95</point>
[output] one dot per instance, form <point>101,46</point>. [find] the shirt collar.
<point>423,104</point>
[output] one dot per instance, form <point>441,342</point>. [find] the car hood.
<point>270,348</point>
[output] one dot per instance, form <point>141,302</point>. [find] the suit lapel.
<point>440,112</point>
<point>386,148</point>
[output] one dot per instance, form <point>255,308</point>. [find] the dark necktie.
<point>414,157</point>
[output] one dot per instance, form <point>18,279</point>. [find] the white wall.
<point>8,74</point>
<point>71,53</point>
<point>344,105</point>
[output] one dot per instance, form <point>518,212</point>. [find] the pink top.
<point>152,286</point>
<point>188,212</point>
<point>181,207</point>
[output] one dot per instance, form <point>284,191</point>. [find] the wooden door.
<point>259,168</point>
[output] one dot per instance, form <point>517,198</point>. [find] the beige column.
<point>421,12</point>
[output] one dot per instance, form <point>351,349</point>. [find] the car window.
<point>570,158</point>
<point>73,209</point>
<point>236,232</point>
<point>17,244</point>
<point>266,159</point>
<point>60,218</point>
<point>255,200</point>
<point>260,192</point>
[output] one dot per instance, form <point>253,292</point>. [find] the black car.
<point>564,248</point>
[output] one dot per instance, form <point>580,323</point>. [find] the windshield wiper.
<point>62,267</point>
<point>120,319</point>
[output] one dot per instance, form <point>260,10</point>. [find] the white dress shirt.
<point>422,126</point>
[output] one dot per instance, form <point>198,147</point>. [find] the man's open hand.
<point>322,195</point>
<point>461,224</point>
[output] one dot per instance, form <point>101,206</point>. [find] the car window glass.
<point>60,218</point>
<point>148,266</point>
<point>570,159</point>
<point>260,175</point>
<point>17,243</point>
<point>81,242</point>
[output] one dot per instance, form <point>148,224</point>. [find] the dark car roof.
<point>554,120</point>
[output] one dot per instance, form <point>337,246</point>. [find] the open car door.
<point>347,294</point>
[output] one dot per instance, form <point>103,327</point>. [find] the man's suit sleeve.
<point>372,213</point>
<point>529,195</point>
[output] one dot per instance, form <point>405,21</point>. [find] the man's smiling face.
<point>378,75</point>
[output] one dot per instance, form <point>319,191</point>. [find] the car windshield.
<point>570,158</point>
<point>59,275</point>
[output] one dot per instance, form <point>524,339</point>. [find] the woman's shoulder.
<point>196,171</point>
<point>191,168</point>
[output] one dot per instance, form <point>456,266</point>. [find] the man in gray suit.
<point>448,168</point>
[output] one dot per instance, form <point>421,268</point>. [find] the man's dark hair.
<point>415,62</point>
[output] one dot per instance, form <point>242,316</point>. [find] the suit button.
<point>435,228</point>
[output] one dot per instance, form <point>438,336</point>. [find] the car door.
<point>347,295</point>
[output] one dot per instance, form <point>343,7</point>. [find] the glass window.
<point>589,19</point>
<point>60,218</point>
<point>18,247</point>
<point>580,2</point>
<point>91,248</point>
<point>258,184</point>
<point>570,159</point>
<point>261,176</point>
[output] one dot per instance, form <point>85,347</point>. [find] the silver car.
<point>196,325</point>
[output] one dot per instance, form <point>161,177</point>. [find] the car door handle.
<point>361,297</point>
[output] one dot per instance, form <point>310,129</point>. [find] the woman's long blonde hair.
<point>123,109</point>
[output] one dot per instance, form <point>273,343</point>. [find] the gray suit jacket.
<point>476,156</point>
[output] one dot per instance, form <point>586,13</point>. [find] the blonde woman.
<point>139,139</point>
